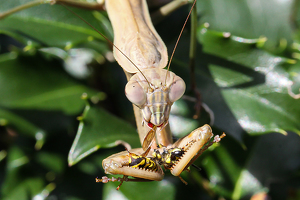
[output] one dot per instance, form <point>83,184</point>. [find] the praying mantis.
<point>153,90</point>
<point>142,54</point>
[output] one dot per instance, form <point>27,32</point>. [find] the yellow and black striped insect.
<point>142,162</point>
<point>168,157</point>
<point>137,165</point>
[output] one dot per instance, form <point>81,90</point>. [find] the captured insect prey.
<point>176,158</point>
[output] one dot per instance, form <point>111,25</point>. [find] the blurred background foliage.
<point>247,57</point>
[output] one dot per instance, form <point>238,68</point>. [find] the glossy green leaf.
<point>52,162</point>
<point>16,161</point>
<point>99,129</point>
<point>26,189</point>
<point>250,80</point>
<point>46,86</point>
<point>250,19</point>
<point>294,74</point>
<point>238,174</point>
<point>143,191</point>
<point>17,184</point>
<point>41,24</point>
<point>22,125</point>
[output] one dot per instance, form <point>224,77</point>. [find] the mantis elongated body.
<point>152,99</point>
<point>153,90</point>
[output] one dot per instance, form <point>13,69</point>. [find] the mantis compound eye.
<point>177,89</point>
<point>135,93</point>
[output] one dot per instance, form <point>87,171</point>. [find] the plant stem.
<point>193,45</point>
<point>84,5</point>
<point>23,7</point>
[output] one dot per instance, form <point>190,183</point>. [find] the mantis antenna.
<point>178,40</point>
<point>107,41</point>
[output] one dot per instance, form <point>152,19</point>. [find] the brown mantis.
<point>140,50</point>
<point>143,55</point>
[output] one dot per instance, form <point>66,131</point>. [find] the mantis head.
<point>155,95</point>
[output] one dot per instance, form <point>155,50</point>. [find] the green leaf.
<point>294,74</point>
<point>235,173</point>
<point>52,162</point>
<point>16,160</point>
<point>18,183</point>
<point>27,189</point>
<point>41,25</point>
<point>99,129</point>
<point>22,125</point>
<point>46,86</point>
<point>250,19</point>
<point>143,191</point>
<point>252,82</point>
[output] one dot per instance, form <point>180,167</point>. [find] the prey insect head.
<point>175,153</point>
<point>168,157</point>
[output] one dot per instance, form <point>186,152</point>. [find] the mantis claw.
<point>196,149</point>
<point>130,164</point>
<point>105,179</point>
<point>179,156</point>
<point>191,145</point>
